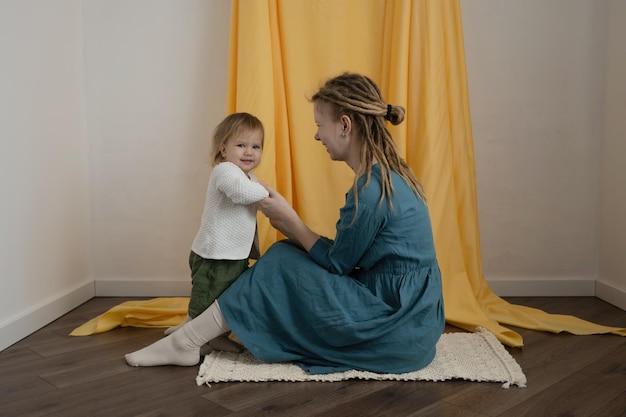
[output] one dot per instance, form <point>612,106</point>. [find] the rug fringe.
<point>516,376</point>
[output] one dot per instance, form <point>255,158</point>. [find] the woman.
<point>371,298</point>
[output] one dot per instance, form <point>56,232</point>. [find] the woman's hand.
<point>284,218</point>
<point>278,210</point>
<point>275,206</point>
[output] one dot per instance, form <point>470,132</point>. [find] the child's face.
<point>244,150</point>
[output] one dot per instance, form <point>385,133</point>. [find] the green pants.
<point>209,279</point>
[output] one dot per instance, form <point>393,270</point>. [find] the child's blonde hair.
<point>235,124</point>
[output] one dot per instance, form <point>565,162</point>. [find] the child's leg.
<point>199,281</point>
<point>210,278</point>
<point>223,274</point>
<point>183,346</point>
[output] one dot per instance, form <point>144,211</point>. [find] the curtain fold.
<point>282,50</point>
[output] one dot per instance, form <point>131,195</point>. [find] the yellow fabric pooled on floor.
<point>156,312</point>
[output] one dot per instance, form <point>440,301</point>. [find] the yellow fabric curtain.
<point>281,50</point>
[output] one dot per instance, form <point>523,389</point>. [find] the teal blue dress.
<point>369,300</point>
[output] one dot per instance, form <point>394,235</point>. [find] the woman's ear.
<point>346,125</point>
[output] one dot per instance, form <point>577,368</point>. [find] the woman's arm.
<point>284,218</point>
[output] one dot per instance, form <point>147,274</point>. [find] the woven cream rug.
<point>475,356</point>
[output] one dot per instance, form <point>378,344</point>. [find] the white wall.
<point>45,241</point>
<point>156,87</point>
<point>106,108</point>
<point>536,73</point>
<point>611,284</point>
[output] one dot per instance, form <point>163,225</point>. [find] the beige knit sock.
<point>182,347</point>
<point>172,329</point>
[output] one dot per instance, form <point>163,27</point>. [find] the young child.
<point>227,238</point>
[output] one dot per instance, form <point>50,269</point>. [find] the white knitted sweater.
<point>229,219</point>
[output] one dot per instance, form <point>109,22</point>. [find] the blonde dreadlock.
<point>359,98</point>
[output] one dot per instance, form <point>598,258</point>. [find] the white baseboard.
<point>543,288</point>
<point>21,325</point>
<point>611,294</point>
<point>143,288</point>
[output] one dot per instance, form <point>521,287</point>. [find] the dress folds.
<point>370,299</point>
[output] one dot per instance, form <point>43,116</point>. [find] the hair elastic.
<point>388,111</point>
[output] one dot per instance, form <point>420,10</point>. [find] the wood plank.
<point>570,397</point>
<point>392,401</point>
<point>278,398</point>
<point>22,387</point>
<point>614,408</point>
<point>50,374</point>
<point>561,356</point>
<point>608,370</point>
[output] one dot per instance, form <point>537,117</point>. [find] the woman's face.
<point>329,132</point>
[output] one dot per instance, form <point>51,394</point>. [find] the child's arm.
<point>237,186</point>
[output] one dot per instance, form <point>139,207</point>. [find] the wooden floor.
<point>52,374</point>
